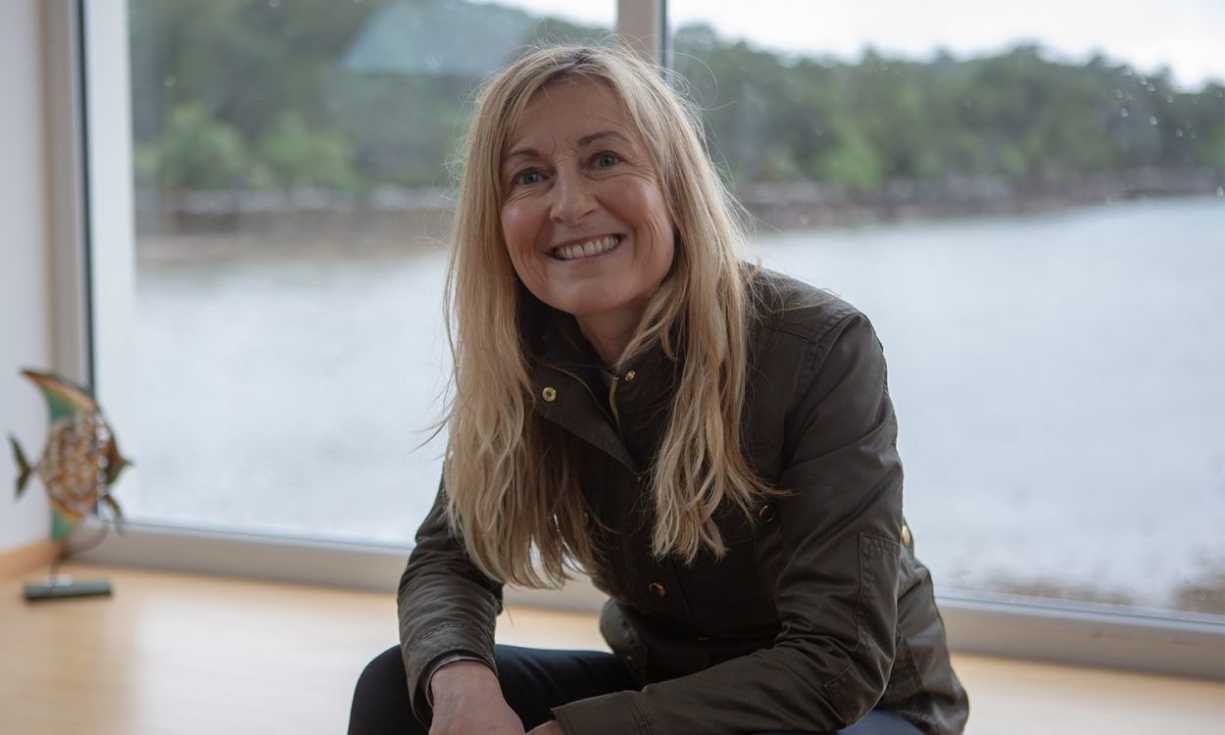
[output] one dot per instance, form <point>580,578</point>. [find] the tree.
<point>294,156</point>
<point>195,151</point>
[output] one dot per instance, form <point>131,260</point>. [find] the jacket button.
<point>549,394</point>
<point>658,589</point>
<point>906,539</point>
<point>766,514</point>
<point>630,375</point>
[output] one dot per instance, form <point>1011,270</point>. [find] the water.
<point>1058,381</point>
<point>1060,387</point>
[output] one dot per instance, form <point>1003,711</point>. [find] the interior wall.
<point>25,292</point>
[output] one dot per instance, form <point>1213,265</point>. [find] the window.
<point>1029,224</point>
<point>1028,205</point>
<point>292,166</point>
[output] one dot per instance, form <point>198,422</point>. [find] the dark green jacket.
<point>818,613</point>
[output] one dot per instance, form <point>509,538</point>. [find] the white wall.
<point>25,293</point>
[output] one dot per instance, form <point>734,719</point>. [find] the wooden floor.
<point>176,654</point>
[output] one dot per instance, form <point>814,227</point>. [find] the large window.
<point>1029,207</point>
<point>1026,203</point>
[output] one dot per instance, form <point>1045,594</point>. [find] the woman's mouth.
<point>589,249</point>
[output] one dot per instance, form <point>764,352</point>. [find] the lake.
<point>1059,381</point>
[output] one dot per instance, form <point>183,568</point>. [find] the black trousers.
<point>533,680</point>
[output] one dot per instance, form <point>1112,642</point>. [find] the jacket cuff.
<point>428,675</point>
<point>419,680</point>
<point>618,712</point>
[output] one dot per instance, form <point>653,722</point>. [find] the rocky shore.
<point>211,224</point>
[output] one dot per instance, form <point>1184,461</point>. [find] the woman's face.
<point>583,217</point>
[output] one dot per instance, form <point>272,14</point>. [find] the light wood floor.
<point>176,654</point>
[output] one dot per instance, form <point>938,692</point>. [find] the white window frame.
<point>87,52</point>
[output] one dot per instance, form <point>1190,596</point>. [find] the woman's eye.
<point>607,160</point>
<point>528,177</point>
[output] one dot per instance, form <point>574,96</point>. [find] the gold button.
<point>630,375</point>
<point>906,539</point>
<point>766,514</point>
<point>549,393</point>
<point>658,589</point>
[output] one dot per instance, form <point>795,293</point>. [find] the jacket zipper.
<point>612,400</point>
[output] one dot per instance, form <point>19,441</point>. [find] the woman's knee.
<point>380,699</point>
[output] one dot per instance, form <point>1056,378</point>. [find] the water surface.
<point>1059,381</point>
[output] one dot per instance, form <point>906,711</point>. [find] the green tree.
<point>195,151</point>
<point>294,156</point>
<point>853,161</point>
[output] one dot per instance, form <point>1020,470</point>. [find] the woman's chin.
<point>595,298</point>
<point>584,308</point>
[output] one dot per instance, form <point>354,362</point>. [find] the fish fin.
<point>23,467</point>
<point>64,398</point>
<point>115,462</point>
<point>116,512</point>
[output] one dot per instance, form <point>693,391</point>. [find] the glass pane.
<point>293,189</point>
<point>1028,203</point>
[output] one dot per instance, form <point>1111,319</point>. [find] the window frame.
<point>92,245</point>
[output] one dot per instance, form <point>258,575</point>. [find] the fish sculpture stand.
<point>79,465</point>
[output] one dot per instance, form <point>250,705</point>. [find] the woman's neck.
<point>610,332</point>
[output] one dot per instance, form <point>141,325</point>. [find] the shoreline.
<point>814,206</point>
<point>207,226</point>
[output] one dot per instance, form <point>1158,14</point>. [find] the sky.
<point>1188,36</point>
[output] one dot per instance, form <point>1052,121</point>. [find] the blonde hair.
<point>513,499</point>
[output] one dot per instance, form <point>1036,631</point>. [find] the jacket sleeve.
<point>837,589</point>
<point>446,606</point>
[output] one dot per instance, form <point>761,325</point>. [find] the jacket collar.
<point>575,390</point>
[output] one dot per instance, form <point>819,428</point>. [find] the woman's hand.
<point>549,728</point>
<point>468,701</point>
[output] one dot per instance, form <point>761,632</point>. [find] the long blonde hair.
<point>513,498</point>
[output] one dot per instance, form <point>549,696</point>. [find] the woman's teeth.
<point>587,249</point>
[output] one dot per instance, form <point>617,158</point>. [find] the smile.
<point>589,249</point>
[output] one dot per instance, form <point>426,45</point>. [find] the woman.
<point>713,443</point>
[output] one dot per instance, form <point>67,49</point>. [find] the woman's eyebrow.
<point>528,152</point>
<point>523,152</point>
<point>589,139</point>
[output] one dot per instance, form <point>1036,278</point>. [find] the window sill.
<point>1020,628</point>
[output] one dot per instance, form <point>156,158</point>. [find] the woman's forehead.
<point>569,114</point>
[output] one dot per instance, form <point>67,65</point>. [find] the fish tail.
<point>24,470</point>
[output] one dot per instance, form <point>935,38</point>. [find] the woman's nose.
<point>572,199</point>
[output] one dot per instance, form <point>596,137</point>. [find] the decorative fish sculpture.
<point>81,460</point>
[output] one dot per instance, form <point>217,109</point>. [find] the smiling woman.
<point>713,443</point>
<point>584,219</point>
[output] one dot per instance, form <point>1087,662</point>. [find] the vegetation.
<point>353,96</point>
<point>1016,115</point>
